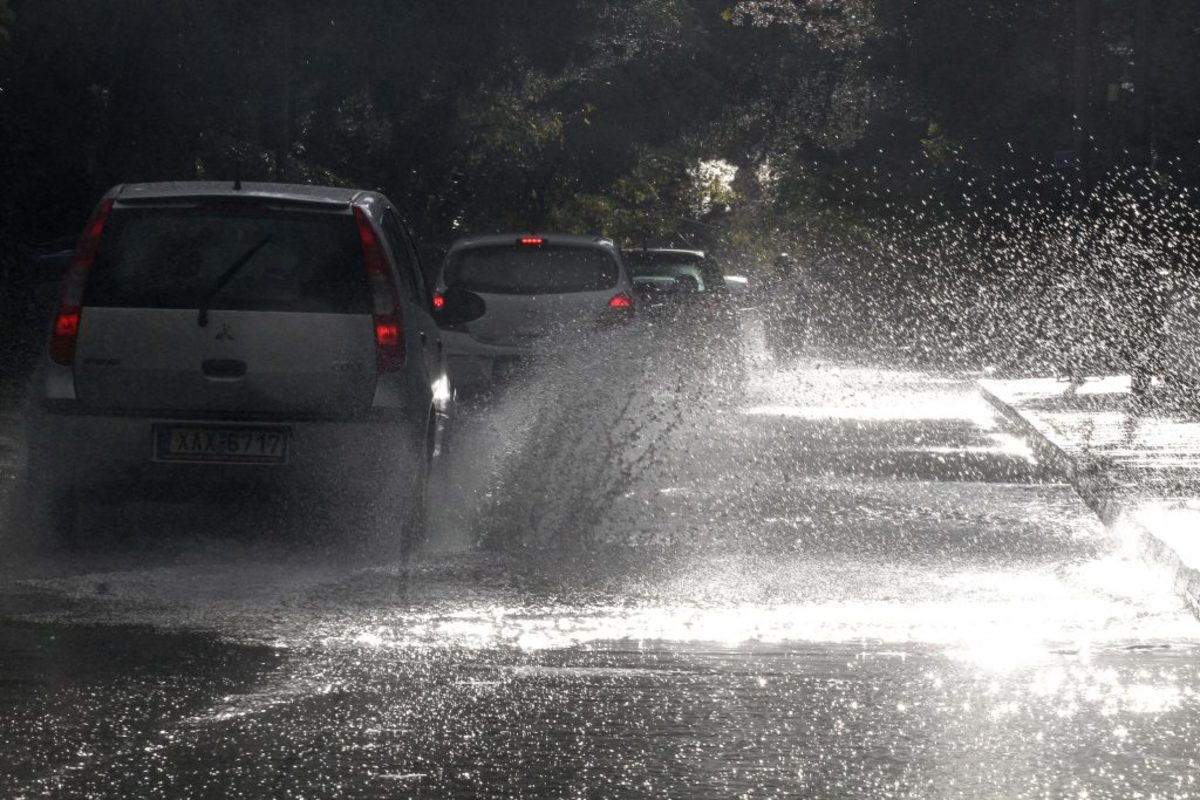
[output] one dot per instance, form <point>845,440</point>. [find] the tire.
<point>392,524</point>
<point>414,503</point>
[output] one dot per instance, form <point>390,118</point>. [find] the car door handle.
<point>223,369</point>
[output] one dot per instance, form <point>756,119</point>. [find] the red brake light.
<point>67,321</point>
<point>372,252</point>
<point>532,241</point>
<point>439,302</point>
<point>85,253</point>
<point>387,332</point>
<point>389,343</point>
<point>65,333</point>
<point>385,304</point>
<point>621,301</point>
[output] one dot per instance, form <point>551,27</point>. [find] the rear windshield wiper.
<point>226,277</point>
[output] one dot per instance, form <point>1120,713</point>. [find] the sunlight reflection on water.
<point>885,408</point>
<point>997,635</point>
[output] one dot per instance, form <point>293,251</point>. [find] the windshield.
<point>179,257</point>
<point>521,269</point>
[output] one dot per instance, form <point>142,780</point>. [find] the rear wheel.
<point>414,503</point>
<point>395,518</point>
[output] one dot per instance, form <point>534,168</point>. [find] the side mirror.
<point>459,307</point>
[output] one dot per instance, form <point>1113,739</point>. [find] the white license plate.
<point>205,444</point>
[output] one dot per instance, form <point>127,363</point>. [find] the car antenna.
<point>237,175</point>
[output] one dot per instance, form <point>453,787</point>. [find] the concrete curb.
<point>1153,539</point>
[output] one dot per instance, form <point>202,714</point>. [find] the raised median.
<point>1135,462</point>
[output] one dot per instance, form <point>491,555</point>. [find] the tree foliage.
<point>587,115</point>
<point>6,18</point>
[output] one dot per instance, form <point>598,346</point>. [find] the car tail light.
<point>387,332</point>
<point>65,333</point>
<point>389,343</point>
<point>439,302</point>
<point>385,303</point>
<point>619,309</point>
<point>621,301</point>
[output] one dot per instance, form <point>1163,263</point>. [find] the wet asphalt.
<point>657,568</point>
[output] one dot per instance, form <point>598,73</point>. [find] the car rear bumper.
<point>472,364</point>
<point>119,452</point>
<point>463,345</point>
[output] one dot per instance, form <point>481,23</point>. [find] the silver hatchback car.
<point>215,338</point>
<point>535,289</point>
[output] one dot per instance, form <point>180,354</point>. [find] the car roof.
<point>670,252</point>
<point>500,239</point>
<point>287,192</point>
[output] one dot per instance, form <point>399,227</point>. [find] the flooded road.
<point>822,577</point>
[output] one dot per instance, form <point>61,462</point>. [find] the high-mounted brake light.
<point>65,332</point>
<point>439,302</point>
<point>531,241</point>
<point>385,303</point>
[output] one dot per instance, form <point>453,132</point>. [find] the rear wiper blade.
<point>226,277</point>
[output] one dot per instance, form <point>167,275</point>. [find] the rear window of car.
<point>663,269</point>
<point>294,260</point>
<point>519,269</point>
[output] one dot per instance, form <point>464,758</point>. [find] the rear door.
<point>241,308</point>
<point>416,294</point>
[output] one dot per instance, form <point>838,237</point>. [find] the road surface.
<point>825,577</point>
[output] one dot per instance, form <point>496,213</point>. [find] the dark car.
<point>679,284</point>
<point>685,293</point>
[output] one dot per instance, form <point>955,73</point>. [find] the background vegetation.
<point>866,135</point>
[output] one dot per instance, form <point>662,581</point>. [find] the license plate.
<point>204,444</point>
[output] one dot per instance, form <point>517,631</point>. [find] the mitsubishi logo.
<point>226,333</point>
